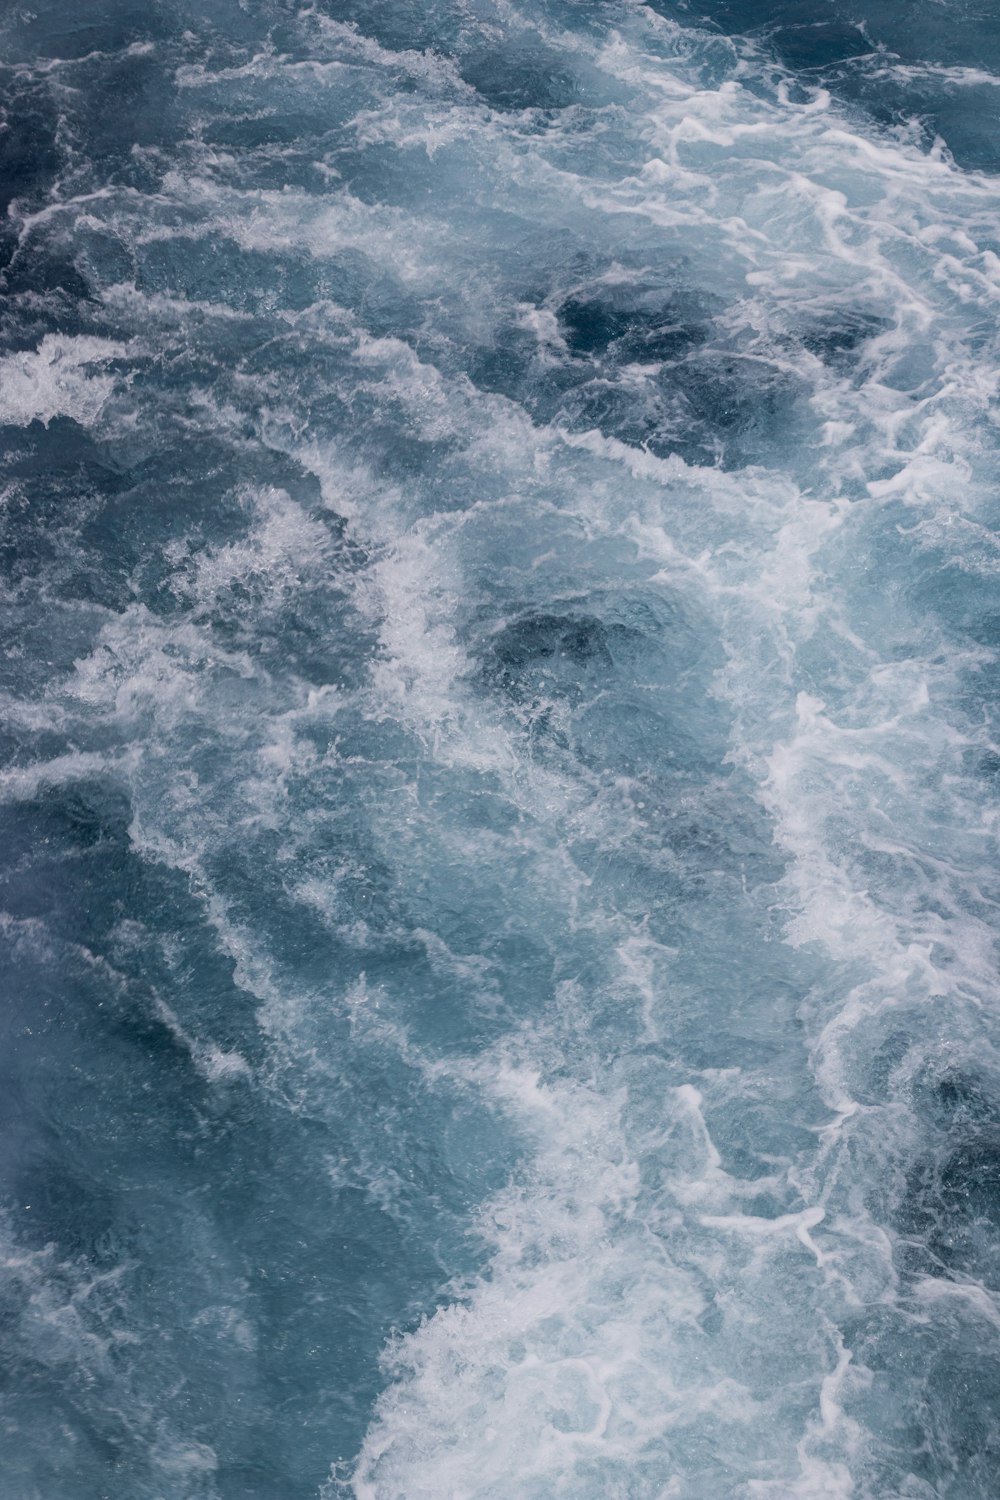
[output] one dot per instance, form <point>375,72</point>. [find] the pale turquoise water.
<point>500,798</point>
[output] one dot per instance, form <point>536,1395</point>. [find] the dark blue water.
<point>500,779</point>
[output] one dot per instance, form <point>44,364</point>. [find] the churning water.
<point>501,620</point>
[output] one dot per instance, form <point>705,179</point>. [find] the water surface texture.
<point>499,795</point>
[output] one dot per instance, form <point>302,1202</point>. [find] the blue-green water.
<point>499,808</point>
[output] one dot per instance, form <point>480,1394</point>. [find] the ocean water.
<point>500,774</point>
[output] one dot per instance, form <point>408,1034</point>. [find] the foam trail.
<point>499,883</point>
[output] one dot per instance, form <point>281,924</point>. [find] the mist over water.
<point>500,779</point>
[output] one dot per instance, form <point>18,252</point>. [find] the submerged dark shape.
<point>841,336</point>
<point>630,323</point>
<point>535,638</point>
<point>553,654</point>
<point>515,78</point>
<point>950,1211</point>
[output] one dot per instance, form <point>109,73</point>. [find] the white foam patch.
<point>20,783</point>
<point>579,1364</point>
<point>58,379</point>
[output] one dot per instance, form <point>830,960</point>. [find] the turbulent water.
<point>501,622</point>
